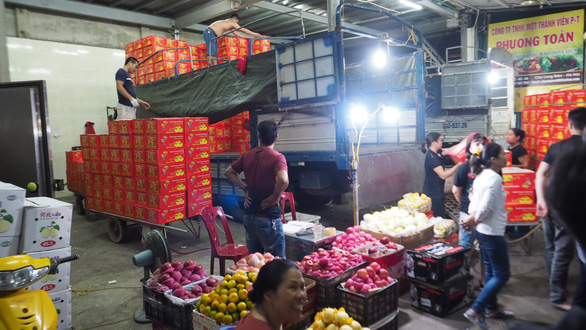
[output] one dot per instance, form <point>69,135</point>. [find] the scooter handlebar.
<point>68,259</point>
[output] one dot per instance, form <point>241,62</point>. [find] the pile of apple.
<point>328,263</point>
<point>197,290</point>
<point>334,319</point>
<point>369,278</point>
<point>172,275</point>
<point>352,239</point>
<point>253,262</point>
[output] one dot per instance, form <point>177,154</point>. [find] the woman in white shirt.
<point>488,215</point>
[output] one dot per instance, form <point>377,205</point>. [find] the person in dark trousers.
<point>559,245</point>
<point>488,215</point>
<point>435,174</point>
<point>127,100</point>
<point>520,157</point>
<point>218,28</point>
<point>265,170</point>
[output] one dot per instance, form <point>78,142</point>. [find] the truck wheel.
<point>307,200</point>
<point>117,230</point>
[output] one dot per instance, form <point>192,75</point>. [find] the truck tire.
<point>308,200</point>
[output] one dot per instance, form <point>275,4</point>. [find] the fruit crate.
<point>390,322</point>
<point>158,308</point>
<point>326,287</point>
<point>385,260</point>
<point>368,309</point>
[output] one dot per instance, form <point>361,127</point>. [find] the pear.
<point>54,232</point>
<point>45,232</point>
<point>4,226</point>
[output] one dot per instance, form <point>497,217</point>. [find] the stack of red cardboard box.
<point>545,119</point>
<point>520,188</point>
<point>74,162</point>
<point>230,135</point>
<point>197,160</point>
<point>260,46</point>
<point>140,169</point>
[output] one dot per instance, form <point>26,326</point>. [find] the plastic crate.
<point>390,322</point>
<point>368,309</point>
<point>326,287</point>
<point>158,308</point>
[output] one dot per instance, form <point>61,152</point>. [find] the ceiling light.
<point>411,4</point>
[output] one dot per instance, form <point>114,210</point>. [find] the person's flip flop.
<point>564,307</point>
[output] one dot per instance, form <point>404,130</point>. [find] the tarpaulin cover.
<point>217,93</point>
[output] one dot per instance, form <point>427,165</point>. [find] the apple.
<point>372,250</point>
<point>178,265</point>
<point>211,281</point>
<point>385,240</point>
<point>383,274</point>
<point>362,273</point>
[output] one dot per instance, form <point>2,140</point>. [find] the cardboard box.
<point>530,143</point>
<point>118,195</point>
<point>61,279</point>
<point>203,322</point>
<point>127,169</point>
<point>543,116</point>
<point>139,156</point>
<point>165,216</point>
<point>166,172</point>
<point>168,201</point>
<point>161,141</point>
<point>195,138</point>
<point>194,207</point>
<point>62,301</point>
<point>140,170</point>
<point>140,212</point>
<point>46,224</point>
<point>116,168</point>
<point>128,210</point>
<point>129,183</point>
<point>543,131</point>
<point>107,180</point>
<point>108,206</point>
<point>113,127</point>
<point>559,132</point>
<point>437,263</point>
<point>118,182</point>
<point>559,115</point>
<point>196,124</point>
<point>118,208</point>
<point>141,184</point>
<point>98,180</point>
<point>197,154</point>
<point>104,154</point>
<point>107,194</point>
<point>518,179</point>
<point>124,126</point>
<point>138,126</point>
<point>444,300</point>
<point>519,197</point>
<point>9,245</point>
<point>114,140</point>
<point>142,199</point>
<point>126,156</point>
<point>578,97</point>
<point>165,156</point>
<point>201,166</point>
<point>199,180</point>
<point>559,97</point>
<point>164,125</point>
<point>125,141</point>
<point>522,213</point>
<point>12,199</point>
<point>139,141</point>
<point>162,187</point>
<point>542,145</point>
<point>199,194</point>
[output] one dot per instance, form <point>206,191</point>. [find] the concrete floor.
<point>98,304</point>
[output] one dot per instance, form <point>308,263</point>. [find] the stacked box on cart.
<point>63,303</point>
<point>46,224</point>
<point>437,263</point>
<point>197,163</point>
<point>442,300</point>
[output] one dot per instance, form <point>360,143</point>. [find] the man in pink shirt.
<point>265,170</point>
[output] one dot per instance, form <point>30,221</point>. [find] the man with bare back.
<point>218,28</point>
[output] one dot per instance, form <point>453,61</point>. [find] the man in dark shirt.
<point>127,100</point>
<point>559,246</point>
<point>265,170</point>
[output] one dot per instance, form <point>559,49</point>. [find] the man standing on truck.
<point>127,100</point>
<point>265,170</point>
<point>218,28</point>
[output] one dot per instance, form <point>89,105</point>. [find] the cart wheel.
<point>79,201</point>
<point>117,230</point>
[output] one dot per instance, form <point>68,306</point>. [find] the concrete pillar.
<point>4,64</point>
<point>332,6</point>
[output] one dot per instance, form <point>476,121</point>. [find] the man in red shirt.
<point>265,170</point>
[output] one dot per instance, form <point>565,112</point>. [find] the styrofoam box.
<point>11,205</point>
<point>62,301</point>
<point>46,224</point>
<point>55,282</point>
<point>8,246</point>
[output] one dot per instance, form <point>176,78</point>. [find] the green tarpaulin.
<point>217,93</point>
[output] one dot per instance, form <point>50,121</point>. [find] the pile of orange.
<point>228,302</point>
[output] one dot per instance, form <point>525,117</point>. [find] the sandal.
<point>475,318</point>
<point>500,314</point>
<point>564,307</point>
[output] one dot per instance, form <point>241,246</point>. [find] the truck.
<point>310,88</point>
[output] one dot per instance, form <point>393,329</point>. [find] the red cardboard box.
<point>530,143</point>
<point>200,194</point>
<point>108,206</point>
<point>542,145</point>
<point>115,155</point>
<point>129,197</point>
<point>128,210</point>
<point>559,97</point>
<point>522,213</point>
<point>164,216</point>
<point>166,172</point>
<point>194,207</point>
<point>85,154</point>
<point>107,180</point>
<point>170,141</point>
<point>124,126</point>
<point>202,141</point>
<point>127,169</point>
<point>166,186</point>
<point>165,156</point>
<point>142,199</point>
<point>103,141</point>
<point>515,178</point>
<point>139,141</point>
<point>112,127</point>
<point>89,191</point>
<point>261,42</point>
<point>559,132</point>
<point>141,80</point>
<point>88,179</point>
<point>118,195</point>
<point>107,194</point>
<point>140,170</point>
<point>153,41</point>
<point>118,208</point>
<point>533,114</point>
<point>531,130</point>
<point>140,213</point>
<point>126,156</point>
<point>104,154</point>
<point>129,183</point>
<point>164,125</point>
<point>116,168</point>
<point>198,181</point>
<point>525,116</point>
<point>138,126</point>
<point>98,180</point>
<point>149,78</point>
<point>168,201</point>
<point>198,167</point>
<point>87,167</point>
<point>197,153</point>
<point>578,97</point>
<point>139,156</point>
<point>195,139</point>
<point>196,124</point>
<point>114,139</point>
<point>160,75</point>
<point>543,131</point>
<point>163,66</point>
<point>126,141</point>
<point>543,116</point>
<point>118,182</point>
<point>95,167</point>
<point>521,197</point>
<point>141,185</point>
<point>543,99</point>
<point>559,115</point>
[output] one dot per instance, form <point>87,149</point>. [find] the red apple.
<point>362,273</point>
<point>383,274</point>
<point>375,266</point>
<point>384,240</point>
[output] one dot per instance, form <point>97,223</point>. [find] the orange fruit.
<point>220,317</point>
<point>243,294</point>
<point>241,306</point>
<point>227,319</point>
<point>233,297</point>
<point>242,313</point>
<point>222,307</point>
<point>232,307</point>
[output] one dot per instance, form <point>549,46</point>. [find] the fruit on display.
<point>175,274</point>
<point>369,279</point>
<point>378,249</point>
<point>352,239</point>
<point>228,302</point>
<point>415,203</point>
<point>334,319</point>
<point>445,228</point>
<point>328,263</point>
<point>253,262</point>
<point>396,222</point>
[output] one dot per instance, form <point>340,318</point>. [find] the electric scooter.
<point>27,309</point>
